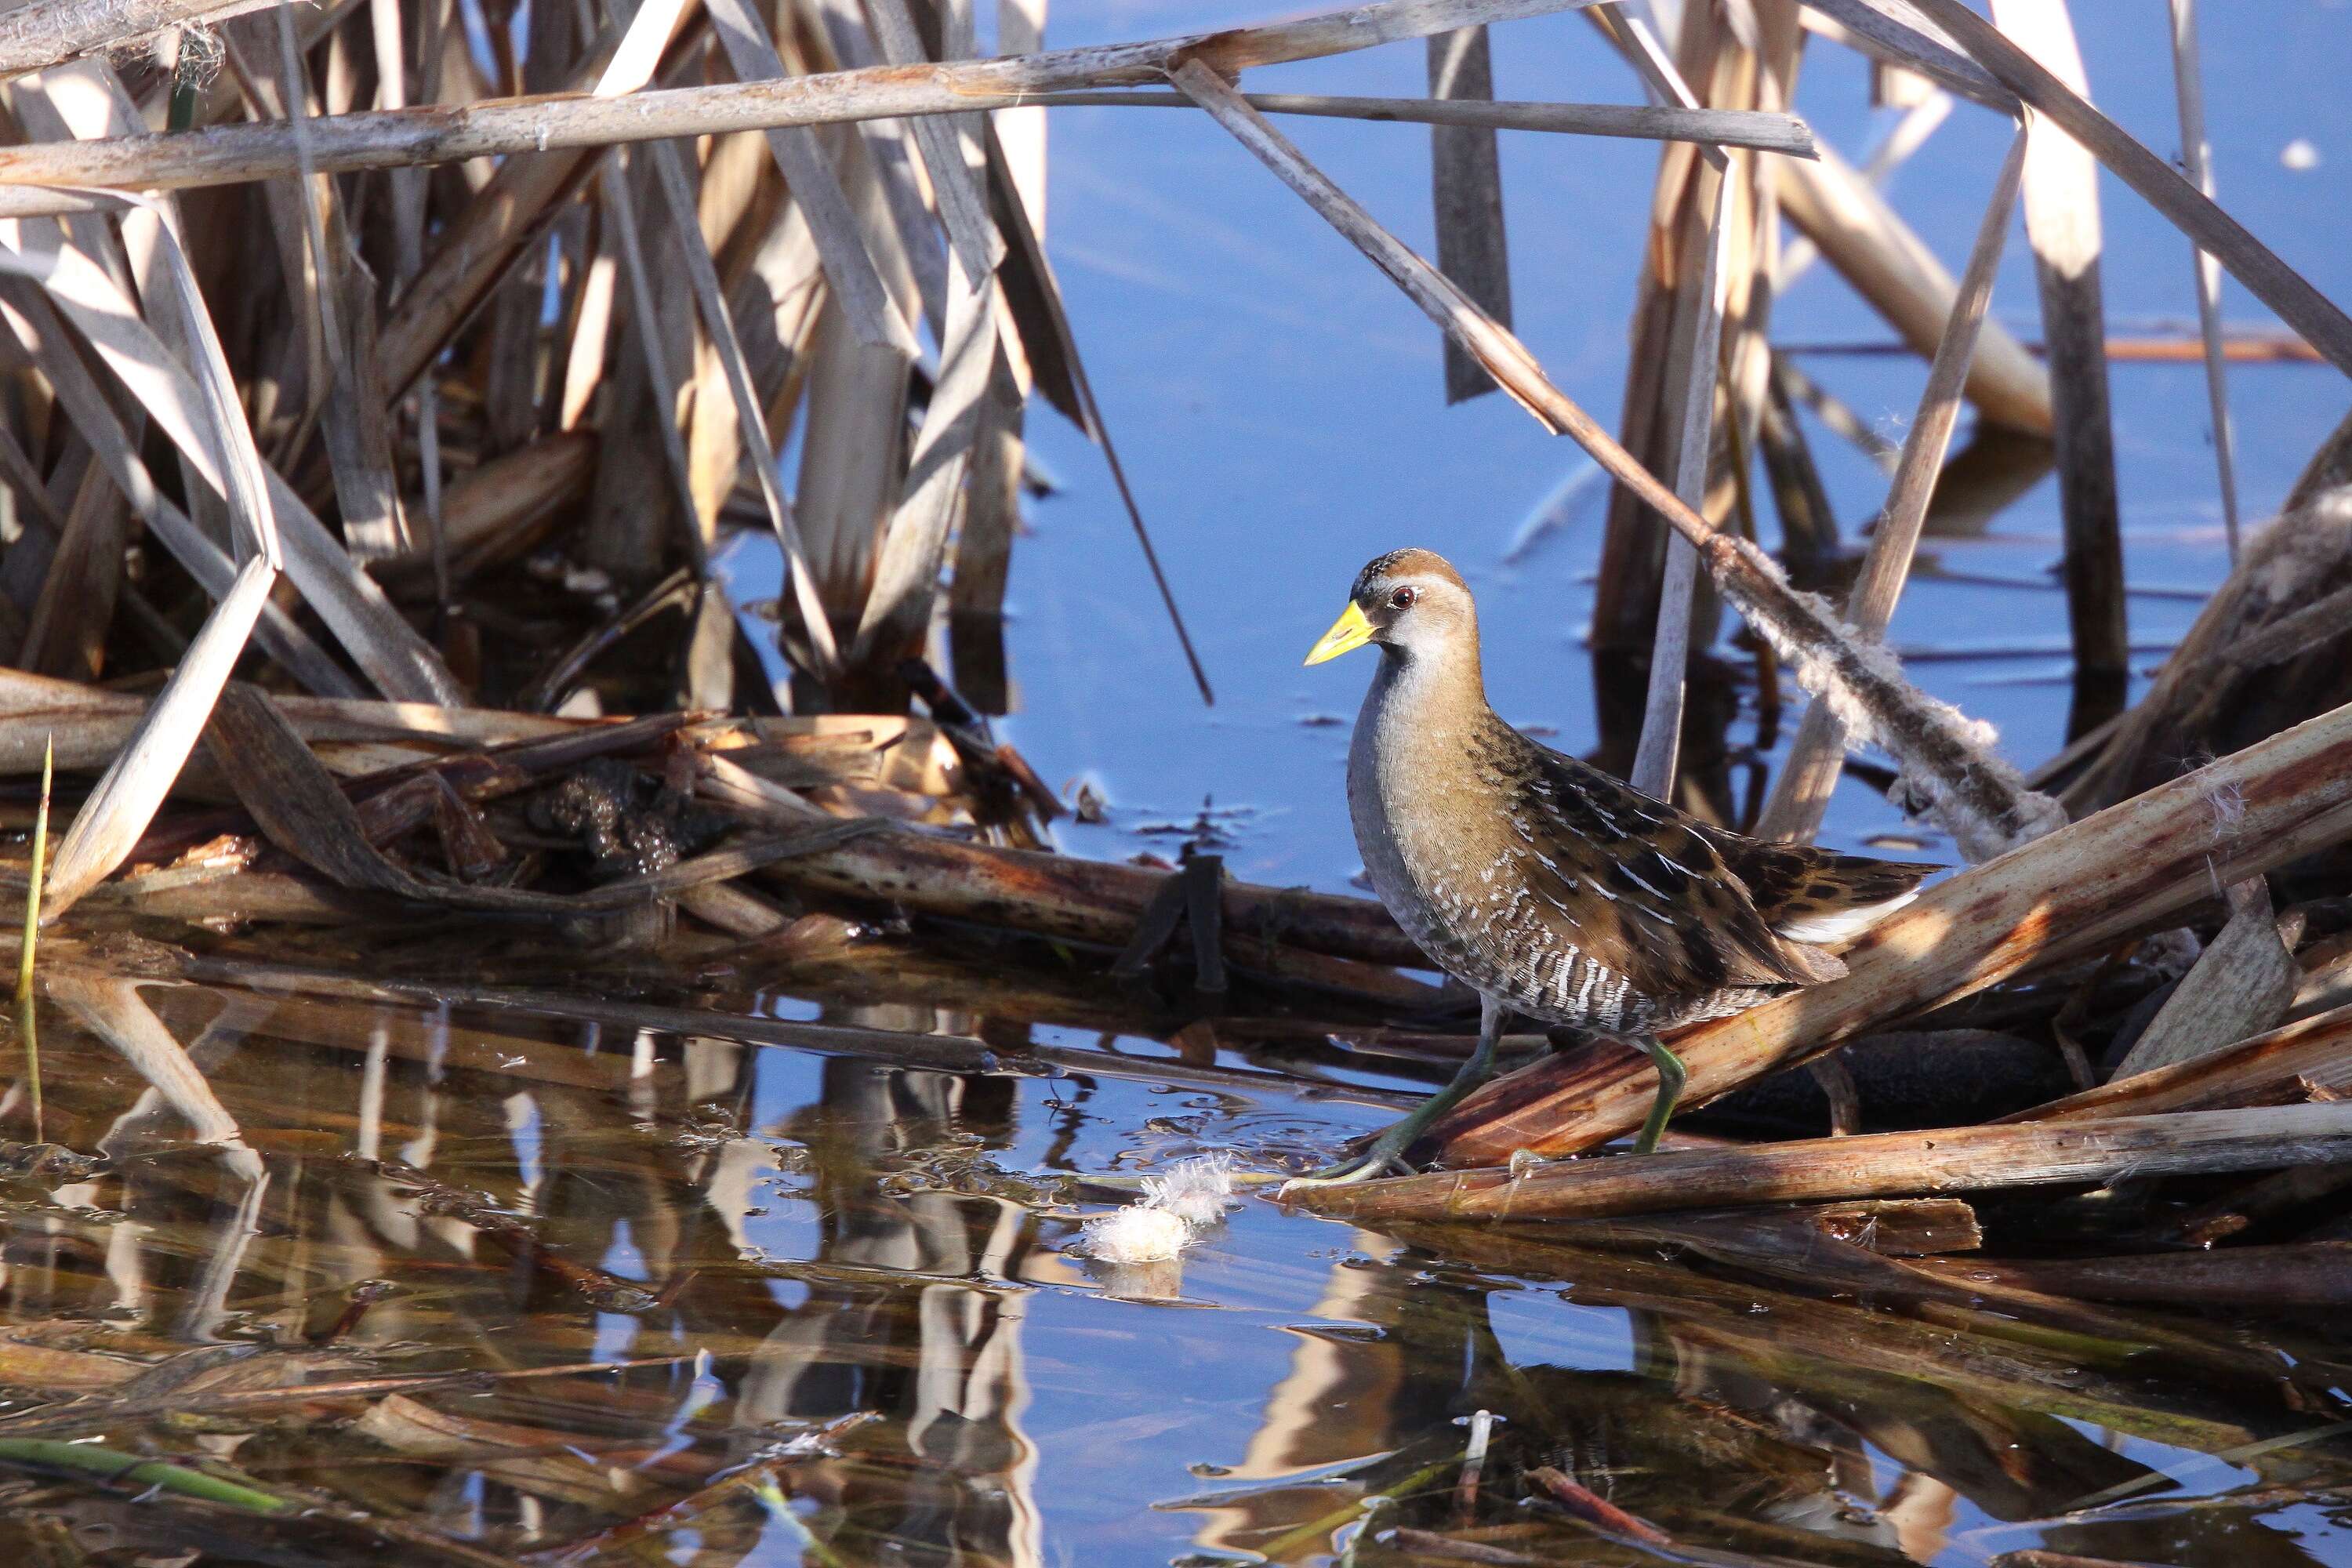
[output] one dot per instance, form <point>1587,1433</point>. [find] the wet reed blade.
<point>2069,894</point>
<point>1466,181</point>
<point>139,1472</point>
<point>1816,758</point>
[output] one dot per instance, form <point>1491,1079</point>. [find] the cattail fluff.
<point>1175,1207</point>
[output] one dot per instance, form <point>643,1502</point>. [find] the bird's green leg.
<point>1671,1079</point>
<point>1390,1146</point>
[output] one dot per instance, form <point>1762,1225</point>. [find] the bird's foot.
<point>1372,1162</point>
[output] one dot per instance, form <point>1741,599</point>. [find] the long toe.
<point>1372,1162</point>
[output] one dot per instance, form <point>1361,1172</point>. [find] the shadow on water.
<point>366,1280</point>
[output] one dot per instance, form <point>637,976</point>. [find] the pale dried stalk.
<point>2283,1066</point>
<point>2069,894</point>
<point>2062,222</point>
<point>906,575</point>
<point>1700,355</point>
<point>108,825</point>
<point>1947,767</point>
<point>35,322</point>
<point>92,724</point>
<point>476,250</point>
<point>702,273</point>
<point>1873,27</point>
<point>1947,1160</point>
<point>400,663</point>
<point>1802,794</point>
<point>809,175</point>
<point>227,154</point>
<point>1872,247</point>
<point>1656,69</point>
<point>2196,162</point>
<point>646,325</point>
<point>962,206</point>
<point>2241,984</point>
<point>2305,308</point>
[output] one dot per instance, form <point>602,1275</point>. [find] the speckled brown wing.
<point>1793,882</point>
<point>1630,882</point>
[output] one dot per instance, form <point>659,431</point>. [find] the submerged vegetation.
<point>538,1065</point>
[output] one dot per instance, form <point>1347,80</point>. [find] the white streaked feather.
<point>1839,924</point>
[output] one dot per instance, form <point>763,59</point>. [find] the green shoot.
<point>31,936</point>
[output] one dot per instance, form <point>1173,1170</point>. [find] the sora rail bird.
<point>1548,887</point>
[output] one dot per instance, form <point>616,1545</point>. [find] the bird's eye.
<point>1403,597</point>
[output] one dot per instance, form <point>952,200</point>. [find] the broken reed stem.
<point>25,1023</point>
<point>2196,162</point>
<point>2070,894</point>
<point>1878,1164</point>
<point>1801,796</point>
<point>1661,716</point>
<point>1978,798</point>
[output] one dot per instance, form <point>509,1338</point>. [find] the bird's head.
<point>1411,602</point>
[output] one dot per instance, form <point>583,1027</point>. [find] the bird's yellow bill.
<point>1350,632</point>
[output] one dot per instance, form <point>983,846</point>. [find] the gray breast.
<point>1464,916</point>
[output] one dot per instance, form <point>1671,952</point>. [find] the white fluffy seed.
<point>1138,1235</point>
<point>1195,1191</point>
